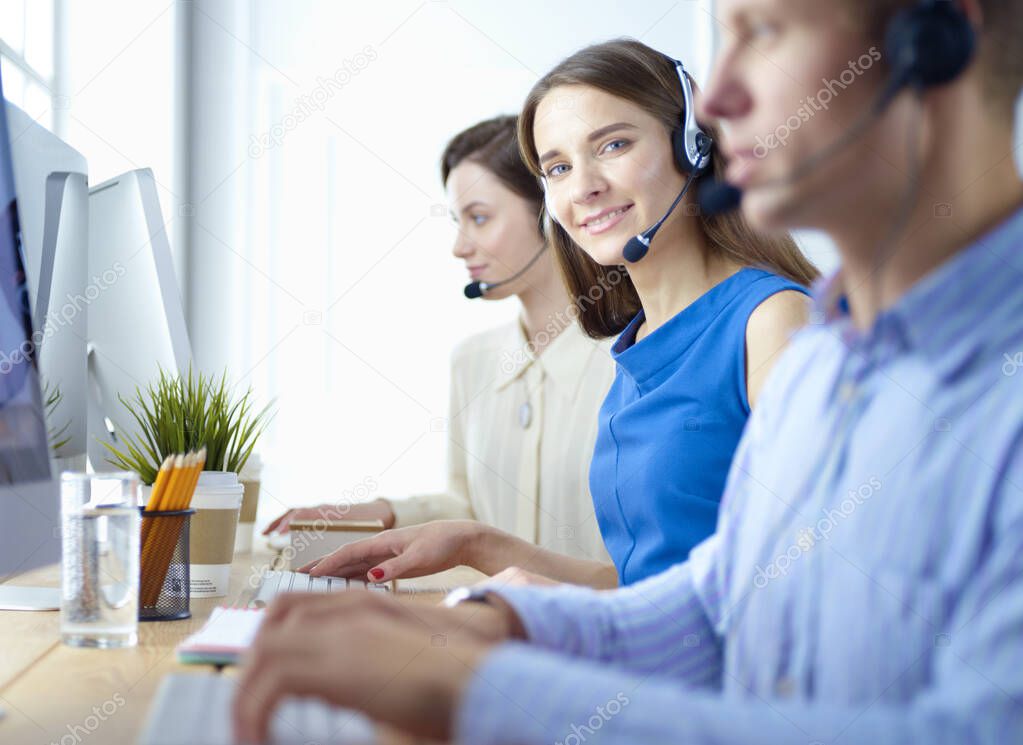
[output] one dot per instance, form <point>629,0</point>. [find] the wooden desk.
<point>50,691</point>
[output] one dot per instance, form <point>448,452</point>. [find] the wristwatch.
<point>466,595</point>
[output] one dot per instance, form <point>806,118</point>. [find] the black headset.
<point>927,45</point>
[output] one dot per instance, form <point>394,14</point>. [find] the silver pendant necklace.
<point>525,415</point>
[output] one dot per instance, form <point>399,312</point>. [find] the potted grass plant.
<point>181,413</point>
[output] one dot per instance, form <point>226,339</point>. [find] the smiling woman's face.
<point>608,165</point>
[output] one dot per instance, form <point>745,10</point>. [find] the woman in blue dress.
<point>701,315</point>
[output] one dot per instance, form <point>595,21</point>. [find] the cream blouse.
<point>521,435</point>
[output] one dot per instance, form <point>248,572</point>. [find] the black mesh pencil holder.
<point>164,592</point>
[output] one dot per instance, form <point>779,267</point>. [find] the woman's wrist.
<point>477,545</point>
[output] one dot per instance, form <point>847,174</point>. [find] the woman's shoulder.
<point>770,328</point>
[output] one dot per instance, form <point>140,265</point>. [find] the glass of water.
<point>100,559</point>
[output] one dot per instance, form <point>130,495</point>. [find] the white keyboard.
<point>196,709</point>
<point>275,582</point>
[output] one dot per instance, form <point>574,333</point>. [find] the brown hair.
<point>633,71</point>
<point>493,144</point>
<point>999,49</point>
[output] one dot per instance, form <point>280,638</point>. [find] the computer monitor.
<point>53,203</point>
<point>136,324</point>
<point>29,505</point>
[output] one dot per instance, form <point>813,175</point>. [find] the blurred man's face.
<point>790,78</point>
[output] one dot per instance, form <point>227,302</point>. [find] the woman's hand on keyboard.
<point>379,509</point>
<point>415,551</point>
<point>402,663</point>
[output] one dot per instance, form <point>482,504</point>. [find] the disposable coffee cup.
<point>249,478</point>
<point>217,503</point>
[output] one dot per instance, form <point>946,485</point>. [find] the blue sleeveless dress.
<point>670,425</point>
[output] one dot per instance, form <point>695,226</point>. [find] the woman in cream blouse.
<point>524,396</point>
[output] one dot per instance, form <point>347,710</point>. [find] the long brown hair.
<point>633,71</point>
<point>492,143</point>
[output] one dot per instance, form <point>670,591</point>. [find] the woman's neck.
<point>675,274</point>
<point>545,305</point>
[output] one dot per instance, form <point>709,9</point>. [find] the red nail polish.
<point>376,573</point>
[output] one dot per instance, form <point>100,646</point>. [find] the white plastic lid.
<point>218,490</point>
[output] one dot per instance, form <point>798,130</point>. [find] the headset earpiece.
<point>692,146</point>
<point>929,44</point>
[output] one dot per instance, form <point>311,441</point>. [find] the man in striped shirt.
<point>865,584</point>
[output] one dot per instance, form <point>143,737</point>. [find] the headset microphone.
<point>477,289</point>
<point>638,245</point>
<point>926,46</point>
<point>719,197</point>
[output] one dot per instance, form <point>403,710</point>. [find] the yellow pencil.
<point>159,483</point>
<point>199,465</point>
<point>152,535</point>
<point>172,483</point>
<point>188,483</point>
<point>170,501</point>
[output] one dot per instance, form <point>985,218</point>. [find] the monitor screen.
<point>23,438</point>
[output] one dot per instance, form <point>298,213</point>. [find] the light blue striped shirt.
<point>865,583</point>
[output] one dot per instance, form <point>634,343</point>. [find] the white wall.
<point>119,110</point>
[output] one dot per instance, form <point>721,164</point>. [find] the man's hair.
<point>1000,41</point>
